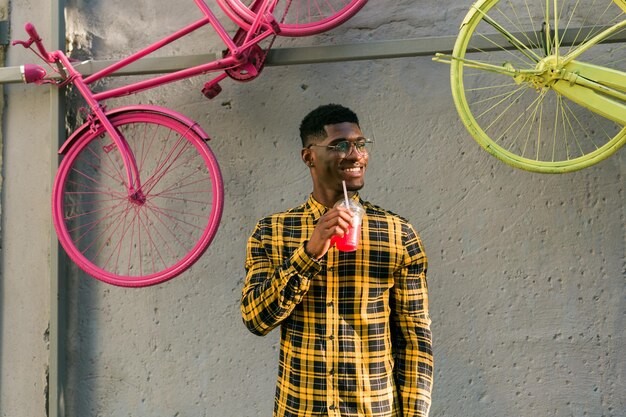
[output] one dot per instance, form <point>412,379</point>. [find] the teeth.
<point>353,169</point>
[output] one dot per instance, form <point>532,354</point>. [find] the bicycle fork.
<point>32,73</point>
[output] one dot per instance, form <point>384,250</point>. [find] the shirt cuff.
<point>304,264</point>
<point>301,268</point>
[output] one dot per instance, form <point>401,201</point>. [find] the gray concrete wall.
<point>26,223</point>
<point>527,278</point>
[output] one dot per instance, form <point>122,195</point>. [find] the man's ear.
<point>307,157</point>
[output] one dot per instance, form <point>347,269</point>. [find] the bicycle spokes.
<point>539,83</point>
<point>154,233</point>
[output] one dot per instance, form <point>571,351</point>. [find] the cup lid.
<point>353,205</point>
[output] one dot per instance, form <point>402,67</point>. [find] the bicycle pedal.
<point>211,90</point>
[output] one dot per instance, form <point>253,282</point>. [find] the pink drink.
<point>350,241</point>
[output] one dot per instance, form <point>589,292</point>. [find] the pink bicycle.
<point>138,195</point>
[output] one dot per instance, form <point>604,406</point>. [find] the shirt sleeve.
<point>412,339</point>
<point>271,292</point>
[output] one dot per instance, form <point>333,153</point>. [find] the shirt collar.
<point>317,209</point>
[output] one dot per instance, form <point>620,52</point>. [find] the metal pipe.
<point>58,262</point>
<point>387,49</point>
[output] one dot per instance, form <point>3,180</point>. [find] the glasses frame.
<point>353,145</point>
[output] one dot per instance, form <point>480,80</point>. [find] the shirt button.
<point>332,407</point>
<point>330,304</point>
<point>332,372</point>
<point>331,337</point>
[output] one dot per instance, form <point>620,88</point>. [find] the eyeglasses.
<point>343,148</point>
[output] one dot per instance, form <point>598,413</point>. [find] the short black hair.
<point>312,125</point>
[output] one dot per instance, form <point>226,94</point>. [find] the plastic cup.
<point>349,242</point>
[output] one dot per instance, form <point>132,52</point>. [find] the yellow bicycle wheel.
<point>522,96</point>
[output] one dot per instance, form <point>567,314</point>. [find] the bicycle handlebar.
<point>32,73</point>
<point>36,39</point>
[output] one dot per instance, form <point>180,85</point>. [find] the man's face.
<point>330,168</point>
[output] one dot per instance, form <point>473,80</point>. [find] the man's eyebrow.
<point>337,140</point>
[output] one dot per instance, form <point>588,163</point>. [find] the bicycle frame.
<point>261,29</point>
<point>232,60</point>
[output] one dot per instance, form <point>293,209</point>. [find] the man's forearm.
<point>270,295</point>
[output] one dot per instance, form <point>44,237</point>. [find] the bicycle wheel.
<point>130,242</point>
<point>502,63</point>
<point>296,17</point>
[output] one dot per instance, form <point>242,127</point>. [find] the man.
<point>355,329</point>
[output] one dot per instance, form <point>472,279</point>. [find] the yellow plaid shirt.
<point>355,329</point>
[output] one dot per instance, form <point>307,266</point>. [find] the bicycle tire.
<point>294,19</point>
<point>527,126</point>
<point>121,242</point>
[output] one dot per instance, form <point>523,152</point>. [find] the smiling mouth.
<point>358,170</point>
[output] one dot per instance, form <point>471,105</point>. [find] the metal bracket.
<point>4,32</point>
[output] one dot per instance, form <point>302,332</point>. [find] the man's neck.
<point>328,198</point>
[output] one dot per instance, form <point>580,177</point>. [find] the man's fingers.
<point>338,224</point>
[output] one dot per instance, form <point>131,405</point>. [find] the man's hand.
<point>335,222</point>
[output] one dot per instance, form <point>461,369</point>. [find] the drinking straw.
<point>345,193</point>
